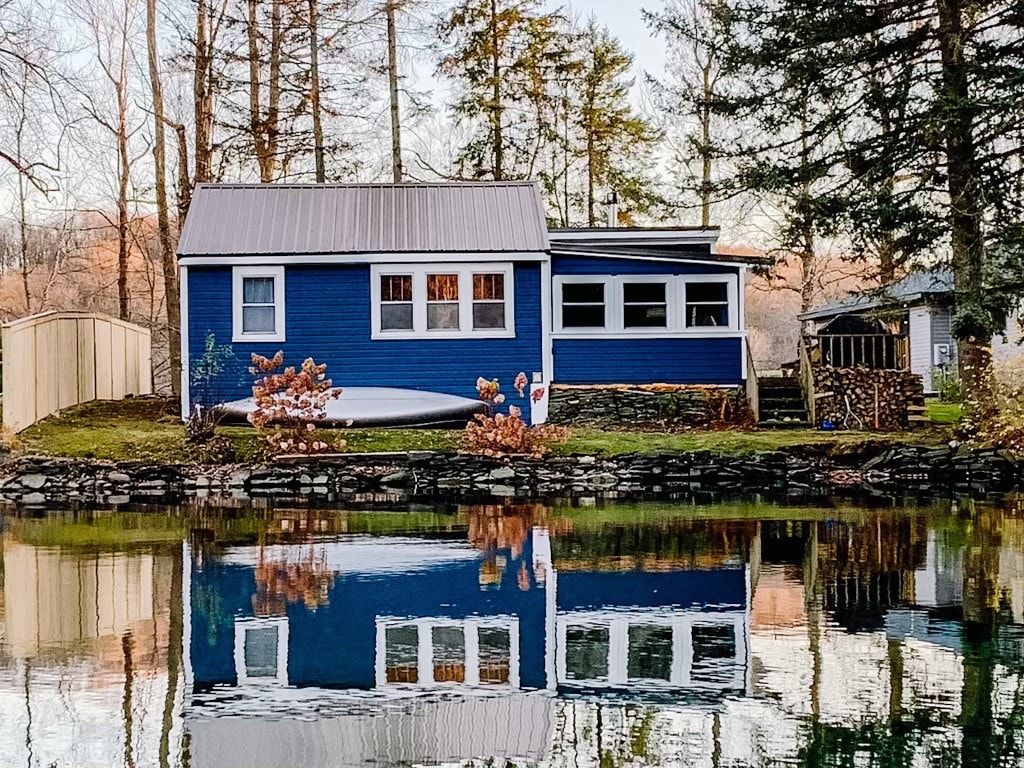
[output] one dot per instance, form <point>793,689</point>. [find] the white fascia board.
<point>647,236</point>
<point>432,257</point>
<point>664,259</point>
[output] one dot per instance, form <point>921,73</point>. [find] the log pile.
<point>866,398</point>
<point>648,406</point>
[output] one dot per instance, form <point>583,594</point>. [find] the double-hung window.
<point>426,301</point>
<point>707,304</point>
<point>645,304</point>
<point>257,304</point>
<point>584,305</point>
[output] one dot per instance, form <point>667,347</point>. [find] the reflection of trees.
<point>280,582</point>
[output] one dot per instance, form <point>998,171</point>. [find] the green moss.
<point>148,429</point>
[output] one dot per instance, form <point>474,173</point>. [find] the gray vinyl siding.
<point>920,329</point>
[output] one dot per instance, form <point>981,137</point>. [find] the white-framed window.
<point>707,304</point>
<point>257,301</point>
<point>434,651</point>
<point>646,305</point>
<point>261,651</point>
<point>425,301</point>
<point>656,648</point>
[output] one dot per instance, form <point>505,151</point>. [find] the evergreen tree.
<point>617,144</point>
<point>501,58</point>
<point>916,119</point>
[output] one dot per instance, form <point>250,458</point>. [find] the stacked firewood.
<point>866,398</point>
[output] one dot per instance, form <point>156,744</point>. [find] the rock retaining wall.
<point>653,405</point>
<point>432,476</point>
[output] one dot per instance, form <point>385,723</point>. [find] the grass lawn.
<point>148,429</point>
<point>943,413</point>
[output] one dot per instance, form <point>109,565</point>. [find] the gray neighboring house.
<point>920,306</point>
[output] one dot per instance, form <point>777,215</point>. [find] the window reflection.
<point>650,652</point>
<point>495,655</point>
<point>402,645</point>
<point>714,653</point>
<point>449,655</point>
<point>586,653</point>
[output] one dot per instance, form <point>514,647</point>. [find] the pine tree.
<point>918,131</point>
<point>616,142</point>
<point>501,58</point>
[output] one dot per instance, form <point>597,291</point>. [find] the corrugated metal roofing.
<point>911,288</point>
<point>251,219</point>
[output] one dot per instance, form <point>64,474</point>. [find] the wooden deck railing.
<point>860,350</point>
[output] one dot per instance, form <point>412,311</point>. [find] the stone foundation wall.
<point>653,406</point>
<point>427,477</point>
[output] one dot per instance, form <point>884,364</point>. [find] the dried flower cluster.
<point>498,434</point>
<point>293,401</point>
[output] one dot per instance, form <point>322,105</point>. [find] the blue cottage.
<point>429,286</point>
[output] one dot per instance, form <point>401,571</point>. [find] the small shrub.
<point>218,449</point>
<point>289,402</point>
<point>947,384</point>
<point>502,434</point>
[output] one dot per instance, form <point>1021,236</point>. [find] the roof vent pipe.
<point>612,201</point>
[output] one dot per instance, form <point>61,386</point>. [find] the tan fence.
<point>59,359</point>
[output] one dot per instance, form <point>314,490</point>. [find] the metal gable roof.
<point>284,219</point>
<point>913,288</point>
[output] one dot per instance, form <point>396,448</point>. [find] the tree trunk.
<point>496,109</point>
<point>968,247</point>
<point>264,129</point>
<point>396,130</point>
<point>314,92</point>
<point>167,259</point>
<point>705,148</point>
<point>124,179</point>
<point>202,94</point>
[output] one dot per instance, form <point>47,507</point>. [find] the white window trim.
<point>617,624</point>
<point>238,274</point>
<point>241,627</point>
<point>419,274</point>
<point>675,299</point>
<point>425,651</point>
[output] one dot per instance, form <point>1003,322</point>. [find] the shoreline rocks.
<point>425,477</point>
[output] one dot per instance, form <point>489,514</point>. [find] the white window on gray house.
<point>258,304</point>
<point>583,305</point>
<point>488,300</point>
<point>396,305</point>
<point>644,305</point>
<point>707,304</point>
<point>442,302</point>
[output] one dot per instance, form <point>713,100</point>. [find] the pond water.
<point>746,634</point>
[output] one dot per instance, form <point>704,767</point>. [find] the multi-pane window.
<point>488,300</point>
<point>401,649</point>
<point>258,304</point>
<point>707,305</point>
<point>449,654</point>
<point>644,305</point>
<point>586,653</point>
<point>652,305</point>
<point>442,302</point>
<point>396,306</point>
<point>583,305</point>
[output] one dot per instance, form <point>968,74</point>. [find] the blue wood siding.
<point>644,361</point>
<point>648,361</point>
<point>590,265</point>
<point>327,317</point>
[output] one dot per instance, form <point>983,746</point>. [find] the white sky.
<point>624,20</point>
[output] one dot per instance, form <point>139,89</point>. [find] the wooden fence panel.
<point>59,359</point>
